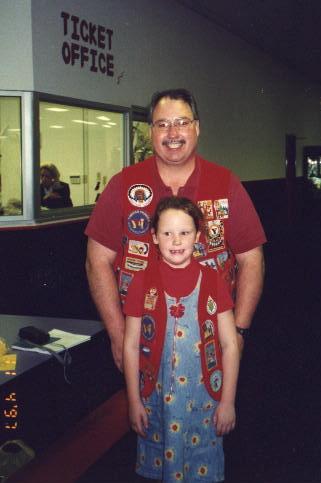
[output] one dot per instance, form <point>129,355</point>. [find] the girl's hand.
<point>224,418</point>
<point>138,418</point>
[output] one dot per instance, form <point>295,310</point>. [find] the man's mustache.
<point>168,142</point>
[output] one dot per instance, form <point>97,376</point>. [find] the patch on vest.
<point>199,250</point>
<point>151,299</point>
<point>148,327</point>
<point>208,329</point>
<point>211,306</point>
<point>138,222</point>
<point>222,259</point>
<point>124,281</point>
<point>210,356</point>
<point>210,262</point>
<point>216,380</point>
<point>140,195</point>
<point>206,207</point>
<point>221,208</point>
<point>135,264</point>
<point>138,248</point>
<point>215,235</point>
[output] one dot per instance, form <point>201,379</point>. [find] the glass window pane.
<point>142,146</point>
<point>87,148</point>
<point>10,156</point>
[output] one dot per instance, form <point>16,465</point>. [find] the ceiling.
<point>289,30</point>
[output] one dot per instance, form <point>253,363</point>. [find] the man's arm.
<point>104,291</point>
<point>249,285</point>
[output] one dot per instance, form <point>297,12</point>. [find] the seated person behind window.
<point>53,192</point>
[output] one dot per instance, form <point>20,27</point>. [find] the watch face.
<point>242,332</point>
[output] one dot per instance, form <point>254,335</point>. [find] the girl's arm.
<point>137,414</point>
<point>224,417</point>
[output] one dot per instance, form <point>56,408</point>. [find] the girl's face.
<point>175,236</point>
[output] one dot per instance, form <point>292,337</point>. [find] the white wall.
<point>247,102</point>
<point>16,70</point>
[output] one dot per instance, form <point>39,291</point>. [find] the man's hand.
<point>104,291</point>
<point>249,285</point>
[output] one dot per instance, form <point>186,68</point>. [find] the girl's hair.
<point>178,203</point>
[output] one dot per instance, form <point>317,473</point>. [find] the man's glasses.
<point>181,123</point>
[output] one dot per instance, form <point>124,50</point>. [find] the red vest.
<point>140,197</point>
<point>154,329</point>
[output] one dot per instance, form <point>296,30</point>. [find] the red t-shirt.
<point>245,229</point>
<point>178,282</point>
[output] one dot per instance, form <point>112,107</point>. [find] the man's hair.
<point>178,203</point>
<point>177,95</point>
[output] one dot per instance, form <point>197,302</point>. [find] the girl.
<point>180,341</point>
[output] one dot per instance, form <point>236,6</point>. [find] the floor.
<point>278,437</point>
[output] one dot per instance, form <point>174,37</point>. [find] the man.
<point>118,231</point>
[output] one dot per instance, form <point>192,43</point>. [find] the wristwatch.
<point>243,332</point>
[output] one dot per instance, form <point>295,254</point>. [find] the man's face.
<point>174,146</point>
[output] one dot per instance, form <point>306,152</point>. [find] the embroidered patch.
<point>140,195</point>
<point>222,259</point>
<point>210,356</point>
<point>215,235</point>
<point>211,306</point>
<point>208,329</point>
<point>209,263</point>
<point>216,380</point>
<point>199,250</point>
<point>151,299</point>
<point>148,327</point>
<point>221,208</point>
<point>124,281</point>
<point>138,222</point>
<point>135,264</point>
<point>138,248</point>
<point>206,207</point>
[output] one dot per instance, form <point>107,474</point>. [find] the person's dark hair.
<point>178,203</point>
<point>176,94</point>
<point>53,170</point>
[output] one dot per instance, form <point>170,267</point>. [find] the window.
<point>86,146</point>
<point>10,156</point>
<point>142,146</point>
<point>141,142</point>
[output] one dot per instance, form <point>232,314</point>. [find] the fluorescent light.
<point>56,109</point>
<point>80,121</point>
<point>56,127</point>
<point>103,118</point>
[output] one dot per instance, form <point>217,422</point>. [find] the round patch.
<point>216,380</point>
<point>138,222</point>
<point>148,327</point>
<point>140,195</point>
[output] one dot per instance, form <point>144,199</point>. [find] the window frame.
<point>30,156</point>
